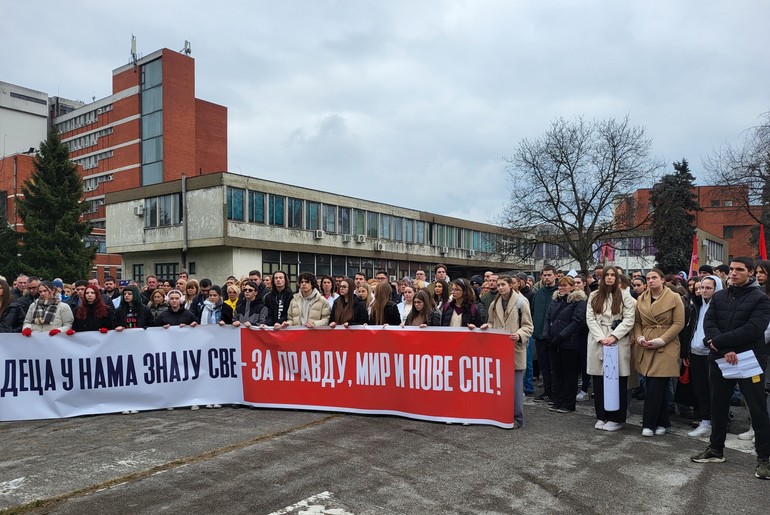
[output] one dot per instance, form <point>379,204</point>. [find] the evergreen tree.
<point>52,211</point>
<point>9,252</point>
<point>673,203</point>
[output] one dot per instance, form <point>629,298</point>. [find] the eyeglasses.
<point>249,290</point>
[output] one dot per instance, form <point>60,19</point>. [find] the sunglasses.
<point>248,290</point>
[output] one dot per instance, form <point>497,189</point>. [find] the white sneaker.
<point>701,430</point>
<point>660,430</point>
<point>612,426</point>
<point>195,407</point>
<point>599,424</point>
<point>582,396</point>
<point>213,406</point>
<point>647,432</point>
<point>748,435</point>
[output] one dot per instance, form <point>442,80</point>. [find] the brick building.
<point>151,130</point>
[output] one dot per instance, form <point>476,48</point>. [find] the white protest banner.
<point>611,379</point>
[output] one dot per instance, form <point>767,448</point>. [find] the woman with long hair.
<point>405,306</point>
<point>659,319</point>
<point>192,289</point>
<point>440,295</point>
<point>131,313</point>
<point>327,290</point>
<point>157,305</point>
<point>364,292</point>
<point>423,312</point>
<point>610,319</point>
<point>348,308</point>
<point>47,314</point>
<point>11,316</point>
<point>763,275</point>
<point>384,310</point>
<point>92,314</point>
<point>464,310</point>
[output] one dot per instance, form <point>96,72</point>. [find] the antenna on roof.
<point>186,50</point>
<point>133,50</point>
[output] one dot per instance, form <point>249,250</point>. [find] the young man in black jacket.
<point>277,300</point>
<point>735,323</point>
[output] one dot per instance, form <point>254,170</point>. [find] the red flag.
<point>762,245</point>
<point>694,258</point>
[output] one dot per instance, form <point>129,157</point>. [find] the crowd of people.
<point>562,327</point>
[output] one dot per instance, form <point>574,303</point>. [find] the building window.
<point>294,213</point>
<point>408,231</point>
<point>235,204</point>
<point>152,123</point>
<point>256,207</point>
<point>419,232</point>
<point>371,224</point>
<point>163,211</point>
<point>137,271</point>
<point>330,218</point>
<point>345,221</point>
<point>385,226</point>
<point>191,268</point>
<point>728,231</point>
<point>398,228</point>
<point>728,203</point>
<point>359,221</point>
<point>166,271</point>
<point>440,235</point>
<point>276,210</point>
<point>313,218</point>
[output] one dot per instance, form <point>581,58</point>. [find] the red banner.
<point>437,374</point>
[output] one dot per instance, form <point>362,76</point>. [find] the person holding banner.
<point>250,311</point>
<point>464,310</point>
<point>510,312</point>
<point>131,312</point>
<point>424,312</point>
<point>92,314</point>
<point>610,319</point>
<point>47,314</point>
<point>348,309</point>
<point>659,320</point>
<point>277,300</point>
<point>11,313</point>
<point>308,308</point>
<point>384,311</point>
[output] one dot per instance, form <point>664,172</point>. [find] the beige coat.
<point>663,318</point>
<point>319,310</point>
<point>600,327</point>
<point>62,320</point>
<point>508,320</point>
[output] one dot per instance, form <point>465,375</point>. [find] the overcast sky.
<point>415,103</point>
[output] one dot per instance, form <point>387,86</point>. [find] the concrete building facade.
<point>222,224</point>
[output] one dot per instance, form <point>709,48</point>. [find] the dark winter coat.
<point>92,322</point>
<point>278,306</point>
<point>472,314</point>
<point>12,318</point>
<point>737,319</point>
<point>565,320</point>
<point>141,319</point>
<point>541,300</point>
<point>179,317</point>
<point>256,315</point>
<point>360,315</point>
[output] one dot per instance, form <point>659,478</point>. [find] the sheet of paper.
<point>747,366</point>
<point>611,379</point>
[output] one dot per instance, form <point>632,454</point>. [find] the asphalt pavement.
<point>281,461</point>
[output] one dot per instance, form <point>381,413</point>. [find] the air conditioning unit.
<point>318,234</point>
<point>347,238</point>
<point>379,246</point>
<point>360,238</point>
<point>139,210</point>
<point>471,253</point>
<point>99,111</point>
<point>445,250</point>
<point>109,177</point>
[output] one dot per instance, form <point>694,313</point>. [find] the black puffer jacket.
<point>472,314</point>
<point>179,317</point>
<point>737,319</point>
<point>565,320</point>
<point>12,318</point>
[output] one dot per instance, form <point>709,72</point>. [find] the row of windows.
<point>92,183</point>
<point>93,205</point>
<point>83,119</point>
<point>277,210</point>
<point>163,211</point>
<point>92,161</point>
<point>88,140</point>
<point>163,271</point>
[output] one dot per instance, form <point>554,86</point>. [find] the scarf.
<point>45,312</point>
<point>212,313</point>
<point>307,302</point>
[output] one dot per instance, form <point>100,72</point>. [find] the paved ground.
<point>260,461</point>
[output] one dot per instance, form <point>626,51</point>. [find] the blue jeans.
<point>528,386</point>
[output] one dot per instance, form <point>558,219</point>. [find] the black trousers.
<point>753,394</point>
<point>618,416</point>
<point>583,358</point>
<point>699,378</point>
<point>564,372</point>
<point>545,365</point>
<point>655,412</point>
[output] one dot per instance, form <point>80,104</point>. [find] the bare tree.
<point>567,184</point>
<point>744,171</point>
